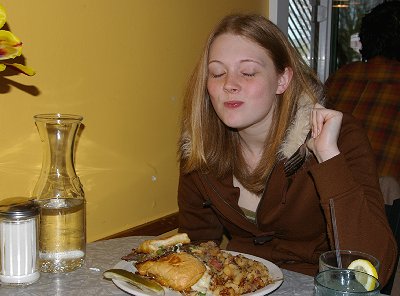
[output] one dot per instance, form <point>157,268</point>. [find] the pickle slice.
<point>134,279</point>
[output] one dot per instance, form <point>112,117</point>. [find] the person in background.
<point>370,90</point>
<point>250,103</point>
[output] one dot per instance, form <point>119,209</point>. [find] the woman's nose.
<point>231,84</point>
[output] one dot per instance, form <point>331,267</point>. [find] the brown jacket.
<point>293,225</point>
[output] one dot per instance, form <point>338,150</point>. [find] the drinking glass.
<point>328,260</point>
<point>345,282</point>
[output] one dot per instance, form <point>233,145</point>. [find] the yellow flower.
<point>3,16</point>
<point>10,47</point>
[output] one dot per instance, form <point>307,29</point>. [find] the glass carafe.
<point>59,192</point>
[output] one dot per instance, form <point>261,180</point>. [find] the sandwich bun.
<point>178,271</point>
<point>153,245</point>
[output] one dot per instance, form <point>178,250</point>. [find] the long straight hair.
<point>206,143</point>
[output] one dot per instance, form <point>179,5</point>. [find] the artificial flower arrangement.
<point>10,47</point>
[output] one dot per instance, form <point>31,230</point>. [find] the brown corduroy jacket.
<point>293,225</point>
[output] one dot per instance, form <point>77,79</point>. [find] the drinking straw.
<point>335,233</point>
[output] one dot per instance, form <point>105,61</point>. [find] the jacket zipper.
<point>265,188</point>
<point>226,203</point>
<point>220,197</point>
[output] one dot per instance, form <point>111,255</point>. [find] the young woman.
<point>250,104</point>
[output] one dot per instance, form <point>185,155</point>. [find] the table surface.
<point>103,255</point>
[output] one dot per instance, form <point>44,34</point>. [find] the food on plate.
<point>154,245</point>
<point>202,269</point>
<point>178,271</point>
<point>134,279</point>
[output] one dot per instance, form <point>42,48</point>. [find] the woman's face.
<point>242,82</point>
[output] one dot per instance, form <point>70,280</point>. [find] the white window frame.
<point>279,14</point>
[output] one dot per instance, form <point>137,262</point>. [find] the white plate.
<point>274,272</point>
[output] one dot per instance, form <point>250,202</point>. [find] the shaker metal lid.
<point>18,207</point>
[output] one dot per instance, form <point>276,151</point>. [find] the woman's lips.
<point>233,104</point>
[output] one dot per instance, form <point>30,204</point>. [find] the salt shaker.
<point>19,219</point>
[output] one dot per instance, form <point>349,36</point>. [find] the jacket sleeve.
<point>196,217</point>
<point>350,180</point>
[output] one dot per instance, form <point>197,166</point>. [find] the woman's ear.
<point>284,80</point>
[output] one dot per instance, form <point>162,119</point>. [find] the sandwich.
<point>178,271</point>
<point>175,263</point>
<point>164,261</point>
<point>155,245</point>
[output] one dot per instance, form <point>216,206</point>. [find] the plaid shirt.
<point>370,91</point>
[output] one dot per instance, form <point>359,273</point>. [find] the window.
<point>346,21</point>
<point>325,32</point>
<point>308,31</point>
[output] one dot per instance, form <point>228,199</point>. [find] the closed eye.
<point>249,74</point>
<point>216,75</point>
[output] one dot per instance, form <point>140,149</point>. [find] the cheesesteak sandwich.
<point>201,269</point>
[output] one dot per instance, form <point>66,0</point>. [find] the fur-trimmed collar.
<point>298,129</point>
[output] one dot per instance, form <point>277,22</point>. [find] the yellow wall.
<point>123,65</point>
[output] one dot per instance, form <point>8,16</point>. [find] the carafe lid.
<point>18,207</point>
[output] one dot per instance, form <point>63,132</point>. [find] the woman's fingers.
<point>317,119</point>
<point>325,128</point>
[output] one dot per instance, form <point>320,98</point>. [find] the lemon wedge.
<point>363,265</point>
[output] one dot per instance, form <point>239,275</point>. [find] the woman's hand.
<point>325,128</point>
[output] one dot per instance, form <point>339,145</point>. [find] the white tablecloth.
<point>103,255</point>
